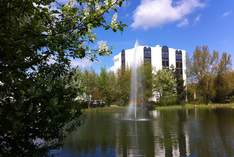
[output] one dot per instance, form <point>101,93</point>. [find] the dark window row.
<point>165,57</point>
<point>179,65</point>
<point>147,52</point>
<point>178,55</point>
<point>147,55</point>
<point>123,59</point>
<point>165,64</point>
<point>179,71</point>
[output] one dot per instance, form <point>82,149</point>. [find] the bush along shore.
<point>196,106</point>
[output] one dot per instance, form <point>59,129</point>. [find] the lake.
<point>169,133</point>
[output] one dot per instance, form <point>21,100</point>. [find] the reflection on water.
<point>180,133</point>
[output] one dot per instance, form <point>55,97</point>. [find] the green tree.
<point>145,72</point>
<point>104,85</point>
<point>191,81</point>
<point>206,88</point>
<point>123,86</point>
<point>223,81</point>
<point>225,63</point>
<point>38,39</point>
<point>91,84</point>
<point>208,72</point>
<point>180,88</point>
<point>204,62</point>
<point>112,83</point>
<point>204,66</point>
<point>164,83</point>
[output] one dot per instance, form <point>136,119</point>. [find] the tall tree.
<point>204,66</point>
<point>123,86</point>
<point>180,88</point>
<point>104,86</point>
<point>38,39</point>
<point>208,72</point>
<point>204,62</point>
<point>223,81</point>
<point>91,84</point>
<point>145,72</point>
<point>164,83</point>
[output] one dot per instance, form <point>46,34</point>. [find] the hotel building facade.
<point>158,56</point>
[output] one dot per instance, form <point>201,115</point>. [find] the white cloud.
<point>227,13</point>
<point>197,19</point>
<point>183,23</point>
<point>82,63</point>
<point>154,13</point>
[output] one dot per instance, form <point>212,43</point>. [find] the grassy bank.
<point>112,108</point>
<point>115,108</point>
<point>197,106</point>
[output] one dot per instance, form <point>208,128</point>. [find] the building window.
<point>165,57</point>
<point>123,60</point>
<point>147,55</point>
<point>179,65</point>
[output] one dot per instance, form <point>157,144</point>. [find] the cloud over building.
<point>155,13</point>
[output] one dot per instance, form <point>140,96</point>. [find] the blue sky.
<point>182,24</point>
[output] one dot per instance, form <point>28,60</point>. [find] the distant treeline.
<point>106,86</point>
<point>210,78</point>
<point>114,88</point>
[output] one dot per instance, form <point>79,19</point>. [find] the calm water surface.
<point>177,133</point>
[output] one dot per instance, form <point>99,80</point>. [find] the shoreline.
<point>111,108</point>
<point>115,108</point>
<point>196,106</point>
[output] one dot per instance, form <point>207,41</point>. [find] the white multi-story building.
<point>158,56</point>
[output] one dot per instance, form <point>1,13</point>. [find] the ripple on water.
<point>136,120</point>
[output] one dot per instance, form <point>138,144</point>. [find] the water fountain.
<point>132,110</point>
<point>135,111</point>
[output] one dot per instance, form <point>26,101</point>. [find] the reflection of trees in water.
<point>135,138</point>
<point>161,137</point>
<point>213,133</point>
<point>182,133</point>
<point>173,137</point>
<point>95,133</point>
<point>164,136</point>
<point>208,133</point>
<point>225,126</point>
